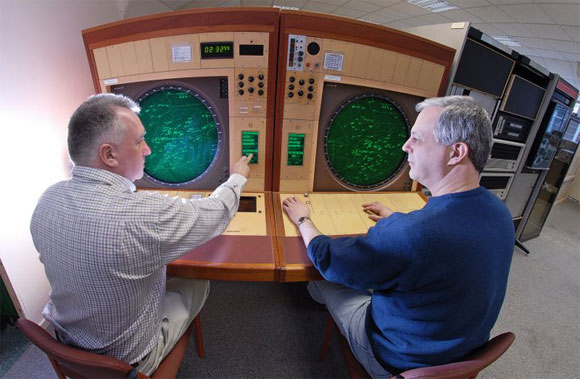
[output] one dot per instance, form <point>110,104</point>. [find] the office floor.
<point>271,330</point>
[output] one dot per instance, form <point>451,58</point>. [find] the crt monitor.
<point>186,124</point>
<point>483,68</point>
<point>360,138</point>
<point>523,98</point>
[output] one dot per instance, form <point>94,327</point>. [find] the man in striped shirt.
<point>105,247</point>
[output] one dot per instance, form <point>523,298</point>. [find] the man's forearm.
<point>308,231</point>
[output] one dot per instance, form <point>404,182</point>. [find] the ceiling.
<point>548,30</point>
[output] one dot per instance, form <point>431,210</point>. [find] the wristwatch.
<point>302,219</point>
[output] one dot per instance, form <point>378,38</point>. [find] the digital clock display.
<point>217,50</point>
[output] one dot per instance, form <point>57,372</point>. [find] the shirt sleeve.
<point>372,261</point>
<point>184,224</point>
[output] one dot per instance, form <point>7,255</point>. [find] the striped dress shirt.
<point>105,249</point>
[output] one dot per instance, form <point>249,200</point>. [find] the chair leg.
<point>198,335</point>
<point>56,368</point>
<point>353,366</point>
<point>326,341</point>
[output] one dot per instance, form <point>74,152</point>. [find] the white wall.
<point>44,76</point>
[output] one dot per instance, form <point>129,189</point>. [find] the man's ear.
<point>108,155</point>
<point>458,152</point>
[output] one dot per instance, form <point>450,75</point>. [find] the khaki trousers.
<point>183,300</point>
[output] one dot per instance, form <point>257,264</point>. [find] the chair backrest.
<point>468,367</point>
<point>75,363</point>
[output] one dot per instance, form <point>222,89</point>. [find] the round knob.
<point>261,84</point>
<point>313,48</point>
<point>311,80</point>
<point>261,76</point>
<point>292,79</point>
<point>300,93</point>
<point>290,94</point>
<point>291,87</point>
<point>251,90</point>
<point>310,88</point>
<point>241,76</point>
<point>300,53</point>
<point>309,96</point>
<point>260,92</point>
<point>300,59</point>
<point>240,84</point>
<point>250,79</point>
<point>241,92</point>
<point>301,82</point>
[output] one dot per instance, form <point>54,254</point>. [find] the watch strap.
<point>301,220</point>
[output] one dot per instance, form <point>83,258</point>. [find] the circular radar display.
<point>183,134</point>
<point>364,139</point>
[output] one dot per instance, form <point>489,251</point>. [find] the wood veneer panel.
<point>230,19</point>
<point>239,272</point>
<point>326,26</point>
<point>183,22</point>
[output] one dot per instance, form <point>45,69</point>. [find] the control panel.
<point>497,183</point>
<point>227,72</point>
<point>300,86</point>
<point>296,46</point>
<point>323,80</point>
<point>252,82</point>
<point>251,90</point>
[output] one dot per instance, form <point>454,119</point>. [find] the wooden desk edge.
<point>297,273</point>
<point>246,272</point>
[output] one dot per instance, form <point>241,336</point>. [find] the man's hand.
<point>295,209</point>
<point>377,210</point>
<point>242,166</point>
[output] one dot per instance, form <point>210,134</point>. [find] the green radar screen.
<point>364,139</point>
<point>182,132</point>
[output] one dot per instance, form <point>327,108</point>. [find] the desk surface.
<point>334,214</point>
<point>244,252</point>
<point>262,244</point>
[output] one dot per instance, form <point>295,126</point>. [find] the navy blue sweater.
<point>439,277</point>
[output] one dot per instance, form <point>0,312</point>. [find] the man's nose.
<point>146,150</point>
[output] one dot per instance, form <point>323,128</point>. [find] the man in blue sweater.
<point>423,288</point>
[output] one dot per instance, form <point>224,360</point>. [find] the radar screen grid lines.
<point>364,140</point>
<point>182,132</point>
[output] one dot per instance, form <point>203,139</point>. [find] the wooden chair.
<point>68,361</point>
<point>468,368</point>
<point>353,366</point>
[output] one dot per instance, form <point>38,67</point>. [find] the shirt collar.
<point>85,173</point>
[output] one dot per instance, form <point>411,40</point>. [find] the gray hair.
<point>95,122</point>
<point>463,120</point>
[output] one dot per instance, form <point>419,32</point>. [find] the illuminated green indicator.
<point>217,50</point>
<point>363,141</point>
<point>250,144</point>
<point>182,135</point>
<point>296,149</point>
